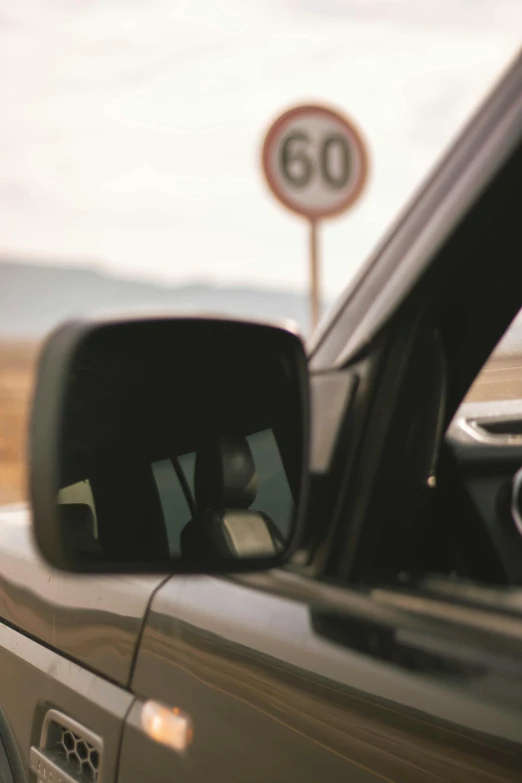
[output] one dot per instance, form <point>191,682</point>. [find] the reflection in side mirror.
<point>173,444</point>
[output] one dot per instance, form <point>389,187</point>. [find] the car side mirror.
<point>169,445</point>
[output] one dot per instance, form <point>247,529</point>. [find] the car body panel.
<point>93,620</point>
<point>271,698</point>
<point>35,679</point>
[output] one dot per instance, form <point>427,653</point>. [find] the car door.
<point>281,689</point>
<point>67,644</point>
<point>318,670</point>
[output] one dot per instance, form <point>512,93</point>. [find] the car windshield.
<point>130,154</point>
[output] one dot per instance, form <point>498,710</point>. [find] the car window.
<point>174,503</point>
<point>187,464</point>
<point>274,497</point>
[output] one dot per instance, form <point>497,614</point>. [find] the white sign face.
<point>315,161</point>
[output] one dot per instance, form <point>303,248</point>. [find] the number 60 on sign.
<point>315,163</point>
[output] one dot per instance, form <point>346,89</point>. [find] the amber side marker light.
<point>167,725</point>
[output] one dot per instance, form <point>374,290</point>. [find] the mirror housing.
<point>170,445</point>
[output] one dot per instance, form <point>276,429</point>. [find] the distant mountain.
<point>35,298</point>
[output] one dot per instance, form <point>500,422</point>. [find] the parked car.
<point>256,563</point>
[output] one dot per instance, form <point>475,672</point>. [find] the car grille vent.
<point>79,754</point>
<point>68,752</point>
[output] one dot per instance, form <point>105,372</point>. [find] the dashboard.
<point>486,439</point>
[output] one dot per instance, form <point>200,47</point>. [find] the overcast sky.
<point>131,131</point>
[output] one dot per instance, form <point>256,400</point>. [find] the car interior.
<point>226,481</point>
<point>446,502</point>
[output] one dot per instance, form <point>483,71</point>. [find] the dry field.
<point>17,363</point>
<point>500,379</point>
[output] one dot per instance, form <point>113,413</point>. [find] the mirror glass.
<point>180,441</point>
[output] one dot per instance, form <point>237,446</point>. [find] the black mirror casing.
<point>115,399</point>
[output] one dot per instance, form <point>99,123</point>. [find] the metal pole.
<point>314,275</point>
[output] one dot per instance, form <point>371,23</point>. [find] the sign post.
<point>315,163</point>
<point>315,294</point>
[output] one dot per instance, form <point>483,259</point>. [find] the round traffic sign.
<point>315,161</point>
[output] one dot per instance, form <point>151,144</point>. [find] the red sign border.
<point>277,127</point>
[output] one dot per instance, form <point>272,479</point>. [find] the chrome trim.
<point>47,770</point>
<point>473,428</point>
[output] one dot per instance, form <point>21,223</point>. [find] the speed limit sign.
<point>315,163</point>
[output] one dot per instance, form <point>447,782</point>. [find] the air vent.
<point>68,752</point>
<point>501,426</point>
<point>79,754</point>
<point>493,431</point>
